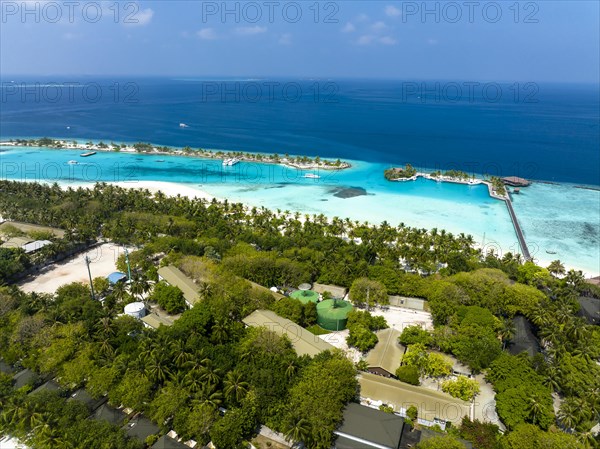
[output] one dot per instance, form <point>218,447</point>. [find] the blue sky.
<point>536,41</point>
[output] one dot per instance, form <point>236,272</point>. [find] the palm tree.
<point>535,409</point>
<point>235,388</point>
<point>507,332</point>
<point>568,414</point>
<point>298,430</point>
<point>556,268</point>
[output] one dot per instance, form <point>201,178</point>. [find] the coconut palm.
<point>556,268</point>
<point>507,331</point>
<point>297,430</point>
<point>235,388</point>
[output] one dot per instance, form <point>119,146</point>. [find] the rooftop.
<point>141,428</point>
<point>524,339</point>
<point>15,242</point>
<point>35,246</point>
<point>364,427</point>
<point>304,342</point>
<point>47,386</point>
<point>107,413</point>
<point>154,321</point>
<point>25,377</point>
<point>336,291</point>
<point>84,397</point>
<point>388,352</point>
<point>166,442</point>
<point>173,276</point>
<point>431,404</point>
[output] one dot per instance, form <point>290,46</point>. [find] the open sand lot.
<point>103,259</point>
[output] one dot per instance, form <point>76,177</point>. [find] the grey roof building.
<point>166,442</point>
<point>107,413</point>
<point>47,386</point>
<point>141,428</point>
<point>524,339</point>
<point>83,396</point>
<point>25,377</point>
<point>366,428</point>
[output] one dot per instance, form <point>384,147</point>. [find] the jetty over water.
<point>517,227</point>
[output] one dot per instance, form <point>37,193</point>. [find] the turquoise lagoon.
<point>556,218</point>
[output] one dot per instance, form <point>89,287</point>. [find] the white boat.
<point>72,162</point>
<point>230,161</point>
<point>311,176</point>
<point>183,125</point>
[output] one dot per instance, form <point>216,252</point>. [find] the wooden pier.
<point>517,227</point>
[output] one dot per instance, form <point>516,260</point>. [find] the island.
<point>299,162</point>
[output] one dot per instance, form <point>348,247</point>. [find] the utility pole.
<point>127,262</point>
<point>87,261</point>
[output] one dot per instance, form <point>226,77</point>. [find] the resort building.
<point>109,414</point>
<point>369,428</point>
<point>407,303</point>
<point>304,342</point>
<point>15,242</point>
<point>85,398</point>
<point>140,428</point>
<point>515,181</point>
<point>166,442</point>
<point>589,309</point>
<point>524,339</point>
<point>364,428</point>
<point>173,276</point>
<point>384,359</point>
<point>154,321</point>
<point>35,246</point>
<point>116,277</point>
<point>434,407</point>
<point>336,291</point>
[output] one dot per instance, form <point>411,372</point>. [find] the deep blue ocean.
<point>545,132</point>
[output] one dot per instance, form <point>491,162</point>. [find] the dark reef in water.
<point>348,192</point>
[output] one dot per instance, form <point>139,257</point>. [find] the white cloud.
<point>250,31</point>
<point>349,28</point>
<point>285,39</point>
<point>365,39</point>
<point>388,40</point>
<point>207,34</point>
<point>432,41</point>
<point>141,18</point>
<point>362,18</point>
<point>392,11</point>
<point>378,26</point>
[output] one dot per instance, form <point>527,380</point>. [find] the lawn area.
<point>317,330</point>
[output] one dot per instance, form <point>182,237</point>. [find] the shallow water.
<point>554,217</point>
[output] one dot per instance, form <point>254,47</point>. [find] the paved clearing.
<point>103,260</point>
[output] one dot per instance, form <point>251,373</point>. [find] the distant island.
<point>299,162</point>
<point>496,185</point>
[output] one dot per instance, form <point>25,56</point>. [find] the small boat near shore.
<point>160,160</point>
<point>72,162</point>
<point>230,161</point>
<point>550,251</point>
<point>183,125</point>
<point>311,176</point>
<point>88,154</point>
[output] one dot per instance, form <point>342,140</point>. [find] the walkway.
<point>517,227</point>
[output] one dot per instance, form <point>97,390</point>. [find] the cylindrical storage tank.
<point>305,296</point>
<point>136,310</point>
<point>333,314</point>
